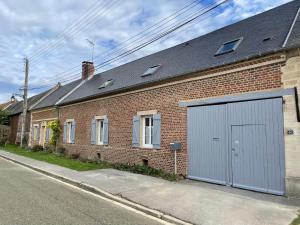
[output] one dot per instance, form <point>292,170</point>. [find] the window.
<point>107,83</point>
<point>151,70</point>
<point>229,46</point>
<point>147,131</point>
<point>99,130</point>
<point>99,127</point>
<point>35,132</point>
<point>69,131</point>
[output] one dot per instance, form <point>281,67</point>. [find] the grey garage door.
<point>238,144</point>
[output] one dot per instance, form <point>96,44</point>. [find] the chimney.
<point>87,70</point>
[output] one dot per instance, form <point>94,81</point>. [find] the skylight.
<point>229,46</point>
<point>107,83</point>
<point>151,70</point>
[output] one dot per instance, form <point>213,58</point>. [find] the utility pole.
<point>24,102</point>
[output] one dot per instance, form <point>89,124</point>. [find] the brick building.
<point>228,98</point>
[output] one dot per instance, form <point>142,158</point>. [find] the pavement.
<point>190,201</point>
<point>30,198</point>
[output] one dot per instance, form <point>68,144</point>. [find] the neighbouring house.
<point>15,112</point>
<point>46,111</point>
<point>228,101</point>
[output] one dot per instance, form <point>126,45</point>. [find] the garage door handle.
<point>216,139</point>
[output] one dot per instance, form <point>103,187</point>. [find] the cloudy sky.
<point>53,34</point>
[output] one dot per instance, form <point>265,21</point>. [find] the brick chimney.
<point>88,70</point>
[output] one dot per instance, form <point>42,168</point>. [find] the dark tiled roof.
<point>55,96</point>
<point>18,106</point>
<point>294,38</point>
<point>199,54</point>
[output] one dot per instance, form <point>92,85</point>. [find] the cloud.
<point>29,26</point>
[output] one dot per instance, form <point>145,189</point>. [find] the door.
<point>249,156</point>
<point>238,144</point>
<point>206,141</point>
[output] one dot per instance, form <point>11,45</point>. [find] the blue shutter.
<point>65,133</point>
<point>73,132</point>
<point>156,130</point>
<point>105,131</point>
<point>136,131</point>
<point>93,132</point>
<point>38,133</point>
<point>47,135</point>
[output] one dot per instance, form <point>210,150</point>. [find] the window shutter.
<point>38,133</point>
<point>47,135</point>
<point>156,130</point>
<point>105,131</point>
<point>73,132</point>
<point>65,133</point>
<point>32,134</point>
<point>136,131</point>
<point>93,132</point>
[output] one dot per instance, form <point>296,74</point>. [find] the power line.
<point>75,30</point>
<point>160,35</point>
<point>144,32</point>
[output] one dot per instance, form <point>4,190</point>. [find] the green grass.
<point>296,221</point>
<point>78,165</point>
<point>55,159</point>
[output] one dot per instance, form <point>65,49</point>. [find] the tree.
<point>4,120</point>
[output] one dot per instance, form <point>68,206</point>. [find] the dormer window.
<point>107,83</point>
<point>151,70</point>
<point>229,46</point>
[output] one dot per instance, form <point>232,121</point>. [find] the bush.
<point>55,127</point>
<point>61,151</point>
<point>37,148</point>
<point>75,155</point>
<point>4,133</point>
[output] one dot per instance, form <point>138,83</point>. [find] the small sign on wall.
<point>290,132</point>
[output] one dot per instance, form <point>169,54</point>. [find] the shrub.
<point>37,148</point>
<point>61,151</point>
<point>75,155</point>
<point>4,133</point>
<point>55,127</point>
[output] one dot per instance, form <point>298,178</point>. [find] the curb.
<point>105,194</point>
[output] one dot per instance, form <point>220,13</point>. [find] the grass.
<point>78,165</point>
<point>55,159</point>
<point>296,221</point>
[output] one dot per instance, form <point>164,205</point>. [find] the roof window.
<point>151,70</point>
<point>107,83</point>
<point>229,46</point>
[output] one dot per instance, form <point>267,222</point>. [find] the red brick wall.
<point>43,115</point>
<point>121,109</point>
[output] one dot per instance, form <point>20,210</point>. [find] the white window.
<point>69,131</point>
<point>147,126</point>
<point>99,133</point>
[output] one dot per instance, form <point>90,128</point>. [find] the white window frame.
<point>69,130</point>
<point>99,131</point>
<point>143,118</point>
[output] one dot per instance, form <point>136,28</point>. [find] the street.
<point>27,197</point>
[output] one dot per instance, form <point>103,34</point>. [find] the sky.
<point>54,34</point>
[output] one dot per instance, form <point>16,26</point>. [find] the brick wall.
<point>121,109</point>
<point>40,116</point>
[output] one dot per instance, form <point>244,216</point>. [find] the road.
<point>27,197</point>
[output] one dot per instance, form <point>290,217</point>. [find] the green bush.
<point>61,151</point>
<point>37,148</point>
<point>4,134</point>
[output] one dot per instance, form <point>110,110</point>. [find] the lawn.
<point>78,165</point>
<point>296,221</point>
<point>55,159</point>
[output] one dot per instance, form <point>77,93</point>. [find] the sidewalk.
<point>196,202</point>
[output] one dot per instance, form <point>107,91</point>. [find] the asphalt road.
<point>27,197</point>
